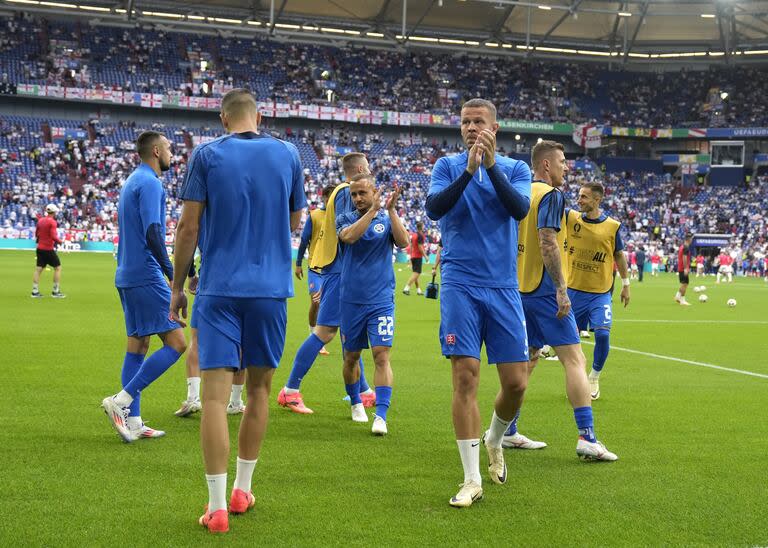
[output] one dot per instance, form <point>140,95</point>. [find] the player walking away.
<point>193,404</point>
<point>47,240</point>
<point>142,260</point>
<point>699,265</point>
<point>594,248</point>
<point>251,188</point>
<point>309,237</point>
<point>541,264</point>
<point>683,269</point>
<point>418,255</point>
<point>367,291</point>
<point>325,258</point>
<point>478,197</point>
<point>640,258</point>
<point>655,262</point>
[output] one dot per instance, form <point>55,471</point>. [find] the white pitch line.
<point>754,322</point>
<point>689,362</point>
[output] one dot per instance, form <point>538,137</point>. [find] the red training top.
<point>416,239</point>
<point>683,258</point>
<point>46,233</point>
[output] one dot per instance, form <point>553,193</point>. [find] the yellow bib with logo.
<point>327,243</point>
<point>590,253</point>
<point>530,265</point>
<point>317,216</point>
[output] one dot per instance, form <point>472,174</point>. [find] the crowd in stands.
<point>83,178</point>
<point>76,54</point>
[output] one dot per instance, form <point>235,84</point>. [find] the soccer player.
<point>640,257</point>
<point>309,237</point>
<point>655,262</point>
<point>541,266</point>
<point>142,260</point>
<point>47,240</point>
<point>699,265</point>
<point>633,264</point>
<point>326,257</point>
<point>683,269</point>
<point>367,291</point>
<point>478,197</point>
<point>725,270</point>
<point>418,255</point>
<point>594,246</point>
<point>251,188</point>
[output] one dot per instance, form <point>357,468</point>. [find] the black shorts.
<point>416,265</point>
<point>683,277</point>
<point>47,257</point>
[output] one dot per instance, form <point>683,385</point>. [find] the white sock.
<point>594,374</point>
<point>134,423</point>
<point>217,491</point>
<point>123,398</point>
<point>470,460</point>
<point>237,394</point>
<point>418,291</point>
<point>290,390</point>
<point>406,288</point>
<point>193,388</point>
<point>244,475</point>
<point>55,288</point>
<point>496,431</point>
<point>677,295</point>
<point>35,288</point>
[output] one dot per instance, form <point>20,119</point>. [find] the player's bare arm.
<point>187,233</point>
<point>550,254</point>
<point>621,263</point>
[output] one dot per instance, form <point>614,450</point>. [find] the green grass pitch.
<point>692,440</point>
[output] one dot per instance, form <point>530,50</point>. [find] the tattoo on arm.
<point>550,254</point>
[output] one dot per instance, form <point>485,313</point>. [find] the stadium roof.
<point>631,31</point>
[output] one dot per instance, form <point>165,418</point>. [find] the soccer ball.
<point>697,289</point>
<point>703,287</point>
<point>702,298</point>
<point>731,302</point>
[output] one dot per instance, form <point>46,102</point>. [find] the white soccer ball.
<point>697,289</point>
<point>731,302</point>
<point>703,287</point>
<point>702,298</point>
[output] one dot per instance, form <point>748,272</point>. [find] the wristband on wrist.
<point>625,282</point>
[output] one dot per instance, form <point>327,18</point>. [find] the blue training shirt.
<point>250,183</point>
<point>479,236</point>
<point>367,275</point>
<point>142,203</point>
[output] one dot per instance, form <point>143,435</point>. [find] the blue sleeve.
<point>298,198</point>
<point>343,203</point>
<point>551,209</point>
<point>306,235</point>
<point>151,204</point>
<point>444,192</point>
<point>512,193</point>
<point>343,221</point>
<point>618,245</point>
<point>156,244</point>
<point>195,187</point>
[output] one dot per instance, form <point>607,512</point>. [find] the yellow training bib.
<point>530,265</point>
<point>317,216</point>
<point>590,253</point>
<point>327,240</point>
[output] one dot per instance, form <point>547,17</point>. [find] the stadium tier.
<point>79,55</point>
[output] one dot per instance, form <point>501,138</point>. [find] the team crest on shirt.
<point>378,228</point>
<point>450,338</point>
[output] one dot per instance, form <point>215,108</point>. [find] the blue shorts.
<point>543,325</point>
<point>361,323</point>
<point>147,309</point>
<point>330,301</point>
<point>228,327</point>
<point>471,316</point>
<point>592,310</point>
<point>314,281</point>
<point>193,314</point>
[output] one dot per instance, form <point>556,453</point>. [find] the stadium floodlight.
<point>624,14</point>
<point>59,5</point>
<point>22,1</point>
<point>374,34</point>
<point>94,8</point>
<point>708,15</point>
<point>517,137</point>
<point>546,8</point>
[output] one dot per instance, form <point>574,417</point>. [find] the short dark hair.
<point>351,159</point>
<point>477,102</point>
<point>327,191</point>
<point>146,141</point>
<point>419,226</point>
<point>595,186</point>
<point>543,148</point>
<point>238,102</point>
